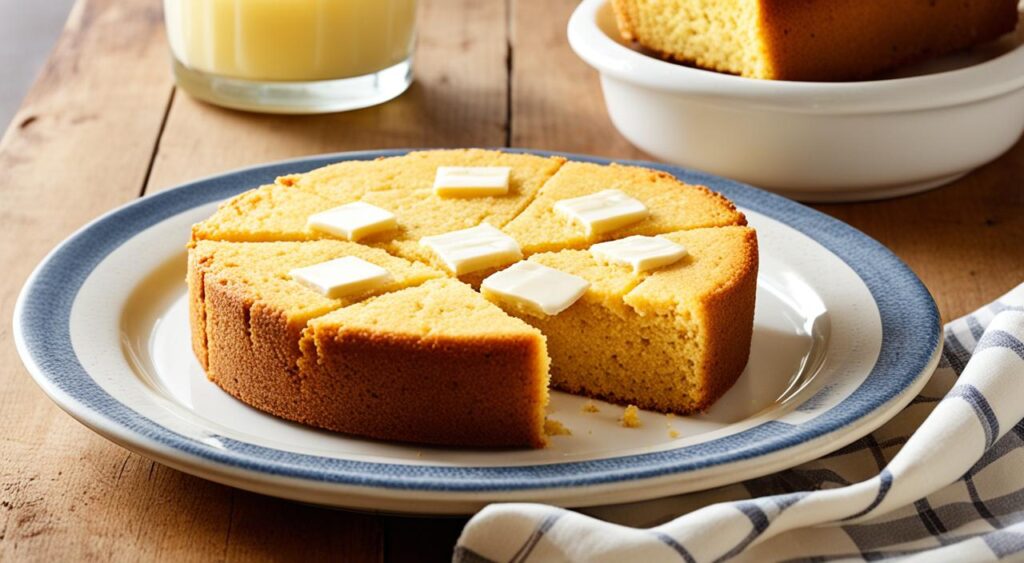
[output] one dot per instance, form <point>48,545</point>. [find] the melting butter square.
<point>353,221</point>
<point>472,249</point>
<point>534,288</point>
<point>471,181</point>
<point>342,276</point>
<point>640,252</point>
<point>603,211</point>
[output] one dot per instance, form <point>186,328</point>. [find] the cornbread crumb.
<point>630,417</point>
<point>590,406</point>
<point>673,434</point>
<point>553,427</point>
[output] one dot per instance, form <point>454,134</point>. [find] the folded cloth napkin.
<point>953,492</point>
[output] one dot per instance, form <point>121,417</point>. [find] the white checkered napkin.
<point>942,481</point>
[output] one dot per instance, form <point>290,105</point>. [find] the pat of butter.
<point>342,277</point>
<point>603,211</point>
<point>353,221</point>
<point>534,288</point>
<point>466,181</point>
<point>474,249</point>
<point>640,252</point>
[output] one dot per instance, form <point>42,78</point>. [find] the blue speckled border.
<point>910,337</point>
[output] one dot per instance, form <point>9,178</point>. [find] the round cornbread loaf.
<point>427,358</point>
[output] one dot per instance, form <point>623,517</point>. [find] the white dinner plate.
<point>845,335</point>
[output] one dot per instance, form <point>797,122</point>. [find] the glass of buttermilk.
<point>292,56</point>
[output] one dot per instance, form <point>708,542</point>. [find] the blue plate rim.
<point>42,331</point>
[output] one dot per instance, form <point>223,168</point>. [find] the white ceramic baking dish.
<point>814,141</point>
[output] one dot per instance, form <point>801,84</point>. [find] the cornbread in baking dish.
<point>815,40</point>
<point>427,358</point>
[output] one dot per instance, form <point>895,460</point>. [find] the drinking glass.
<point>292,56</point>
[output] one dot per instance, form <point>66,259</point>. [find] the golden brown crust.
<point>833,40</point>
<point>853,39</point>
<point>729,317</point>
<point>252,351</point>
<point>197,306</point>
<point>739,220</point>
<point>436,390</point>
<point>448,391</point>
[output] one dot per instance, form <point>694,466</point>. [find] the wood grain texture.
<point>965,240</point>
<point>557,103</point>
<point>96,131</point>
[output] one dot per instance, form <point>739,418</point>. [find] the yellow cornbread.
<point>376,367</point>
<point>672,339</point>
<point>810,40</point>
<point>428,359</point>
<point>673,206</point>
<point>402,185</point>
<point>247,313</point>
<point>274,212</point>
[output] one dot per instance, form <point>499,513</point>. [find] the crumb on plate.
<point>630,417</point>
<point>554,428</point>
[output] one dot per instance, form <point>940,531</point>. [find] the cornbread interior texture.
<point>662,340</point>
<point>813,39</point>
<point>427,358</point>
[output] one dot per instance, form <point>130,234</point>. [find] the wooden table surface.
<point>104,125</point>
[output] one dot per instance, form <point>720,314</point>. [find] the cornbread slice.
<point>272,213</point>
<point>672,339</point>
<point>402,185</point>
<point>673,206</point>
<point>436,363</point>
<point>423,213</point>
<point>247,314</point>
<point>812,40</point>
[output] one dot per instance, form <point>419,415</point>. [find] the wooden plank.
<point>81,144</point>
<point>458,99</point>
<point>557,103</point>
<point>965,240</point>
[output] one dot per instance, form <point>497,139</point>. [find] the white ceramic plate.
<point>844,336</point>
